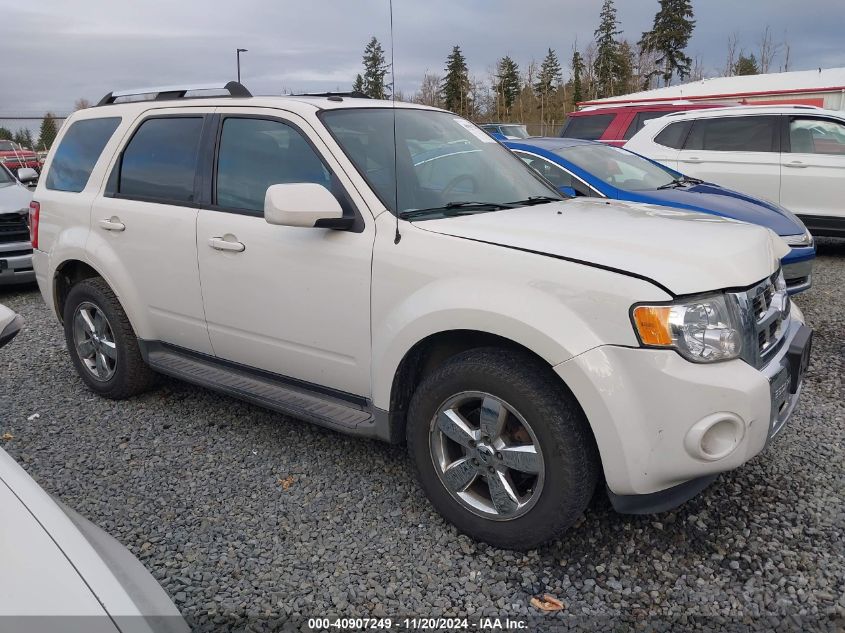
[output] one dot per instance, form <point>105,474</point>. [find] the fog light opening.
<point>715,437</point>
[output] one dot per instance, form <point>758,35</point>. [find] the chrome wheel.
<point>486,455</point>
<point>94,341</point>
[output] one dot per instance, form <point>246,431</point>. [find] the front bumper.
<point>798,269</point>
<point>652,412</point>
<point>16,263</point>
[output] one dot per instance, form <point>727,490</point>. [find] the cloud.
<point>56,51</point>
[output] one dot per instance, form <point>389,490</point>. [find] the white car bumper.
<point>665,426</point>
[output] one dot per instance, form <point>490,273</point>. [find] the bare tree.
<point>730,62</point>
<point>787,49</point>
<point>429,93</point>
<point>81,104</point>
<point>768,50</point>
<point>697,70</point>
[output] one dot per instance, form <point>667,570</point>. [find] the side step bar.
<point>262,389</point>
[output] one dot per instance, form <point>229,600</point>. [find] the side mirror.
<point>27,175</point>
<point>568,191</point>
<point>304,204</point>
<point>10,325</point>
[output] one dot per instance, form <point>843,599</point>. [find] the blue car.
<point>588,168</point>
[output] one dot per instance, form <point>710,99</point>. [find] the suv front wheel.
<point>501,449</point>
<point>102,343</point>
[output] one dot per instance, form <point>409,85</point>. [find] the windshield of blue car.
<point>514,131</point>
<point>439,159</point>
<point>618,167</point>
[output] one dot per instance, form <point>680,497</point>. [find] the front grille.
<point>765,313</point>
<point>13,228</point>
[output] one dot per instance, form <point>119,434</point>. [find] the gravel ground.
<point>241,513</point>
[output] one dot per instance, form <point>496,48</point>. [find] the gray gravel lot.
<point>241,513</point>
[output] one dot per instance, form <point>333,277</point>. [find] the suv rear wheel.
<point>102,343</point>
<point>500,448</point>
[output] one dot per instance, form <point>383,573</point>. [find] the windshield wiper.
<point>532,200</point>
<point>683,181</point>
<point>451,209</point>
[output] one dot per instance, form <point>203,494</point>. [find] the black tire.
<point>131,374</point>
<point>571,463</point>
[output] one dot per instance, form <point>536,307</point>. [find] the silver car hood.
<point>14,197</point>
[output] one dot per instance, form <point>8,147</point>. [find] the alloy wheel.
<point>94,341</point>
<point>486,455</point>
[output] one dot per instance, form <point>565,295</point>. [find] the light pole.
<point>238,53</point>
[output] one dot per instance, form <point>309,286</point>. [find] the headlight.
<point>703,330</point>
<point>803,239</point>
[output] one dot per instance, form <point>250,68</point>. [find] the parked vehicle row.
<point>15,246</point>
<point>14,157</point>
<point>390,270</point>
<point>791,155</point>
<point>589,168</point>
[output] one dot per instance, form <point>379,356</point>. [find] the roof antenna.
<point>397,237</point>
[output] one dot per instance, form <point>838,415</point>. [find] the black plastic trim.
<point>358,401</point>
<point>661,501</point>
<point>824,225</point>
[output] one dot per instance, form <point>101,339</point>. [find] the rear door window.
<point>734,134</point>
<point>78,152</point>
<point>816,136</point>
<point>160,162</point>
<point>590,127</point>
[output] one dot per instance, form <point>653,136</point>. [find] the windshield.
<point>439,159</point>
<point>514,131</point>
<point>618,167</point>
<point>8,146</point>
<point>5,177</point>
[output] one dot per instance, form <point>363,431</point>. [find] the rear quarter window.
<point>673,135</point>
<point>78,152</point>
<point>589,127</point>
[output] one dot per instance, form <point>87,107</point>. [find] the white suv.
<point>434,290</point>
<point>792,155</point>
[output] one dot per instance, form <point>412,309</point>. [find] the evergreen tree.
<point>547,81</point>
<point>549,76</point>
<point>507,84</point>
<point>48,132</point>
<point>358,85</point>
<point>607,50</point>
<point>577,77</point>
<point>6,134</point>
<point>624,68</point>
<point>746,65</point>
<point>456,87</point>
<point>375,70</point>
<point>23,137</point>
<point>668,38</point>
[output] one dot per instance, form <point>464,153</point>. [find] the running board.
<point>261,389</point>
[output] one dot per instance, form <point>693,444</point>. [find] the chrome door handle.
<point>112,224</point>
<point>795,163</point>
<point>222,244</point>
<point>691,159</point>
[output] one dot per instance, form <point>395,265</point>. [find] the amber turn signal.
<point>652,324</point>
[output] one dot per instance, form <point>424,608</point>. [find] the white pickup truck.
<point>391,271</point>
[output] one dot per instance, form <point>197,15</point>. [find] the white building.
<point>822,87</point>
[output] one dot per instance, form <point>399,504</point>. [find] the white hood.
<point>684,251</point>
<point>14,197</point>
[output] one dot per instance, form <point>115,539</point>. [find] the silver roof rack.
<point>166,93</point>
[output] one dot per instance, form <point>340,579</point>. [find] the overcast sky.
<point>56,51</point>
